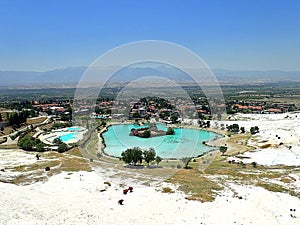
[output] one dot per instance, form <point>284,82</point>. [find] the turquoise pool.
<point>73,128</point>
<point>65,137</point>
<point>185,142</point>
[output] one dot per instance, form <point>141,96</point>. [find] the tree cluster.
<point>61,125</point>
<point>204,124</point>
<point>29,143</point>
<point>16,119</point>
<point>62,147</point>
<point>137,155</point>
<point>233,128</point>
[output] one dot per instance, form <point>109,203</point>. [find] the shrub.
<point>186,161</point>
<point>223,149</point>
<point>62,147</point>
<point>57,141</point>
<point>146,134</point>
<point>254,164</point>
<point>167,190</point>
<point>254,130</point>
<point>170,131</point>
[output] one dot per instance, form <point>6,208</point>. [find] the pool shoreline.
<point>74,135</point>
<point>206,143</point>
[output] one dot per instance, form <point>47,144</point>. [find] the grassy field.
<point>204,186</point>
<point>203,183</point>
<point>13,146</point>
<point>196,185</point>
<point>37,120</point>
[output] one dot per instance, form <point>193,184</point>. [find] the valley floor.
<point>74,192</point>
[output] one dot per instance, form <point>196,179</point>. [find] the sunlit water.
<point>184,143</point>
<point>65,137</point>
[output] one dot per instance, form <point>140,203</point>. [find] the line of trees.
<point>235,129</point>
<point>16,119</point>
<point>204,124</point>
<point>137,155</point>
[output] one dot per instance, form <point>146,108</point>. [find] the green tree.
<point>254,164</point>
<point>242,130</point>
<point>174,117</point>
<point>65,117</point>
<point>186,161</point>
<point>158,159</point>
<point>132,155</point>
<point>136,115</point>
<point>137,156</point>
<point>57,141</point>
<point>146,134</point>
<point>26,143</point>
<point>223,149</point>
<point>126,156</point>
<point>233,128</point>
<point>149,155</point>
<point>208,123</point>
<point>201,117</point>
<point>254,130</point>
<point>40,147</point>
<point>98,110</point>
<point>201,122</point>
<point>62,147</point>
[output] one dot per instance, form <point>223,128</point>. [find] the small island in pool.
<point>150,131</point>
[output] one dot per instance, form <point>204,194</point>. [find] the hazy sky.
<point>48,34</point>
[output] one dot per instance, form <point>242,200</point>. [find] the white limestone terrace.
<point>76,198</point>
<point>278,140</point>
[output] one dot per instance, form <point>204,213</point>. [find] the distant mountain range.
<point>69,75</point>
<point>72,75</point>
<point>256,76</point>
